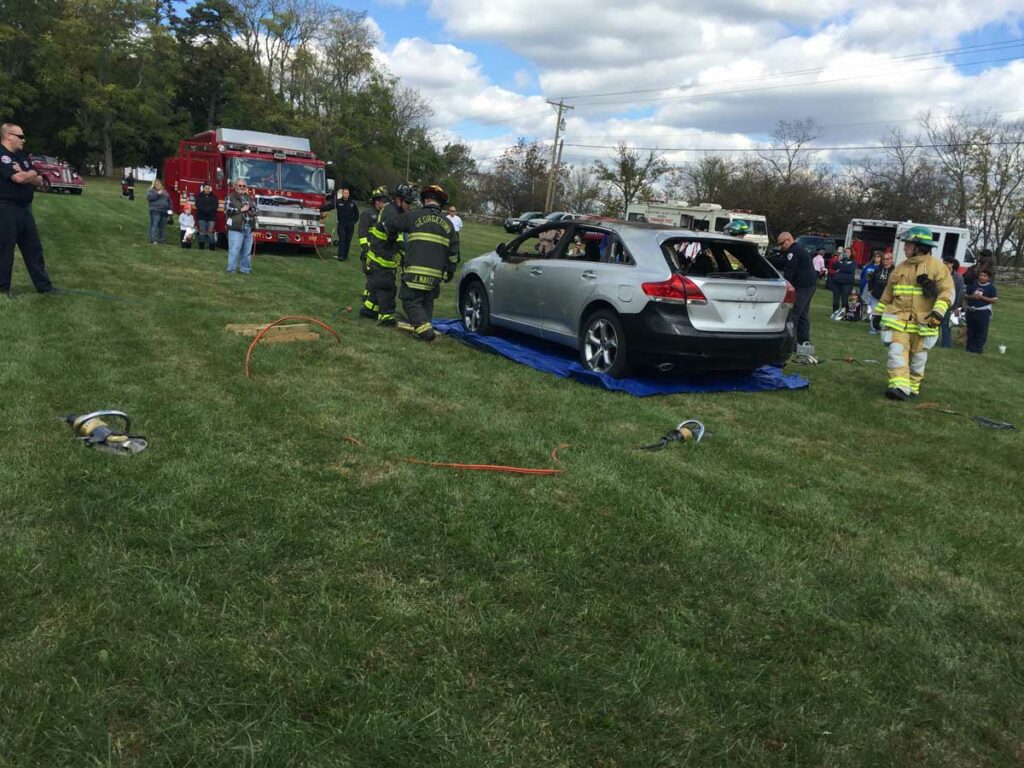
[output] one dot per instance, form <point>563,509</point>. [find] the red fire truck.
<point>289,183</point>
<point>56,175</point>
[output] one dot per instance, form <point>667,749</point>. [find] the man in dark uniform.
<point>348,215</point>
<point>801,274</point>
<point>379,256</point>
<point>18,182</point>
<point>431,255</point>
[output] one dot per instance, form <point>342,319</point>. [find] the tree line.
<point>109,84</point>
<point>965,170</point>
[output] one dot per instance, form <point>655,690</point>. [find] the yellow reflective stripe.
<point>419,286</point>
<point>941,306</point>
<point>899,382</point>
<point>378,233</point>
<point>364,241</point>
<point>428,238</point>
<point>386,263</point>
<point>879,308</point>
<point>924,330</point>
<point>425,271</point>
<point>915,386</point>
<point>907,290</point>
<point>423,328</point>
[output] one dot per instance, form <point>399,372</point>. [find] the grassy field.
<point>830,579</point>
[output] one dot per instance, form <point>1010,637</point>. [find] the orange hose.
<point>556,449</point>
<point>259,335</point>
<point>488,468</point>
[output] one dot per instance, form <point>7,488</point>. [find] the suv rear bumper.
<point>662,334</point>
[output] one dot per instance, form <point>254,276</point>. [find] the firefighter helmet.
<point>380,193</point>
<point>919,235</point>
<point>434,192</point>
<point>737,228</point>
<point>406,192</point>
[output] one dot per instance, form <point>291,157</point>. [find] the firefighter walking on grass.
<point>431,255</point>
<point>910,312</point>
<point>378,255</point>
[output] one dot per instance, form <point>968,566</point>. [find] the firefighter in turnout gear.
<point>372,240</point>
<point>909,314</point>
<point>431,255</point>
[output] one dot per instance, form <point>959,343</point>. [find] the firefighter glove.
<point>448,275</point>
<point>928,287</point>
<point>934,319</point>
<point>876,322</point>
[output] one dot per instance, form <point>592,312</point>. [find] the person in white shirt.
<point>187,223</point>
<point>454,218</point>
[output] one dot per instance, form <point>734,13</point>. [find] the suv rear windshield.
<point>714,258</point>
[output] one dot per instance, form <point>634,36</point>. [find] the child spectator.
<point>187,224</point>
<point>980,298</point>
<point>854,307</point>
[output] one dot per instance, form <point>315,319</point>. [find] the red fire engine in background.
<point>57,175</point>
<point>289,183</point>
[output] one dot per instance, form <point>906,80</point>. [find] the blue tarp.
<point>554,358</point>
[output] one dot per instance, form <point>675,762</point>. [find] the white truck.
<point>703,217</point>
<point>863,236</point>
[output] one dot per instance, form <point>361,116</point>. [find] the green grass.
<point>830,579</point>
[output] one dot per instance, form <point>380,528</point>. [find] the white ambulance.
<point>863,236</point>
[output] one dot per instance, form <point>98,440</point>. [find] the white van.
<point>863,236</point>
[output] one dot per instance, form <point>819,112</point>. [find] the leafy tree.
<point>632,174</point>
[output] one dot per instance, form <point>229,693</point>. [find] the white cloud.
<point>703,76</point>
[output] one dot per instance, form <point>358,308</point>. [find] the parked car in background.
<point>811,243</point>
<point>57,175</point>
<point>515,223</point>
<point>627,295</point>
<point>549,218</point>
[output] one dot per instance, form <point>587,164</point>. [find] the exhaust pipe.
<point>665,367</point>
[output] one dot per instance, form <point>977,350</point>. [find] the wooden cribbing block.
<point>279,334</point>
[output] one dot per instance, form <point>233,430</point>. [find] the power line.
<point>809,148</point>
<point>978,48</point>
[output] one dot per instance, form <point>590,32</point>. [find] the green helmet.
<point>380,193</point>
<point>737,228</point>
<point>919,235</point>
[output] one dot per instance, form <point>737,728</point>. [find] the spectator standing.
<point>819,262</point>
<point>206,215</point>
<point>348,215</point>
<point>877,283</point>
<point>159,209</point>
<point>865,280</point>
<point>454,218</point>
<point>946,336</point>
<point>18,183</point>
<point>802,276</point>
<point>187,225</point>
<point>240,211</point>
<point>980,298</point>
<point>843,280</point>
<point>129,184</point>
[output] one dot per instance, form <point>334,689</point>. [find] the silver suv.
<point>627,294</point>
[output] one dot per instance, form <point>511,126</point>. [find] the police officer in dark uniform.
<point>18,182</point>
<point>348,215</point>
<point>431,255</point>
<point>379,255</point>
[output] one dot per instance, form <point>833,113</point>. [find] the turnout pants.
<point>18,227</point>
<point>418,303</point>
<point>908,355</point>
<point>379,294</point>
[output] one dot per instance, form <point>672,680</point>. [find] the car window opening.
<point>712,258</point>
<point>598,247</point>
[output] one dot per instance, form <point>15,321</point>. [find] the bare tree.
<point>953,144</point>
<point>579,190</point>
<point>630,173</point>
<point>709,179</point>
<point>791,148</point>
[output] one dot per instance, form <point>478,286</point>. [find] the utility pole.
<point>556,155</point>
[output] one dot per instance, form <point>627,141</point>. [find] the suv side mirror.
<point>502,251</point>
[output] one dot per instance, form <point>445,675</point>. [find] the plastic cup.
<point>1002,349</point>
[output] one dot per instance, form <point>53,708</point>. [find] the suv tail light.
<point>790,300</point>
<point>677,290</point>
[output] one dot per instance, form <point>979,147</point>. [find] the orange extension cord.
<point>259,335</point>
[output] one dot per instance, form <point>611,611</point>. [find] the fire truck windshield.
<point>271,174</point>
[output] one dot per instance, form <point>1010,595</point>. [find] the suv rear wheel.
<point>603,345</point>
